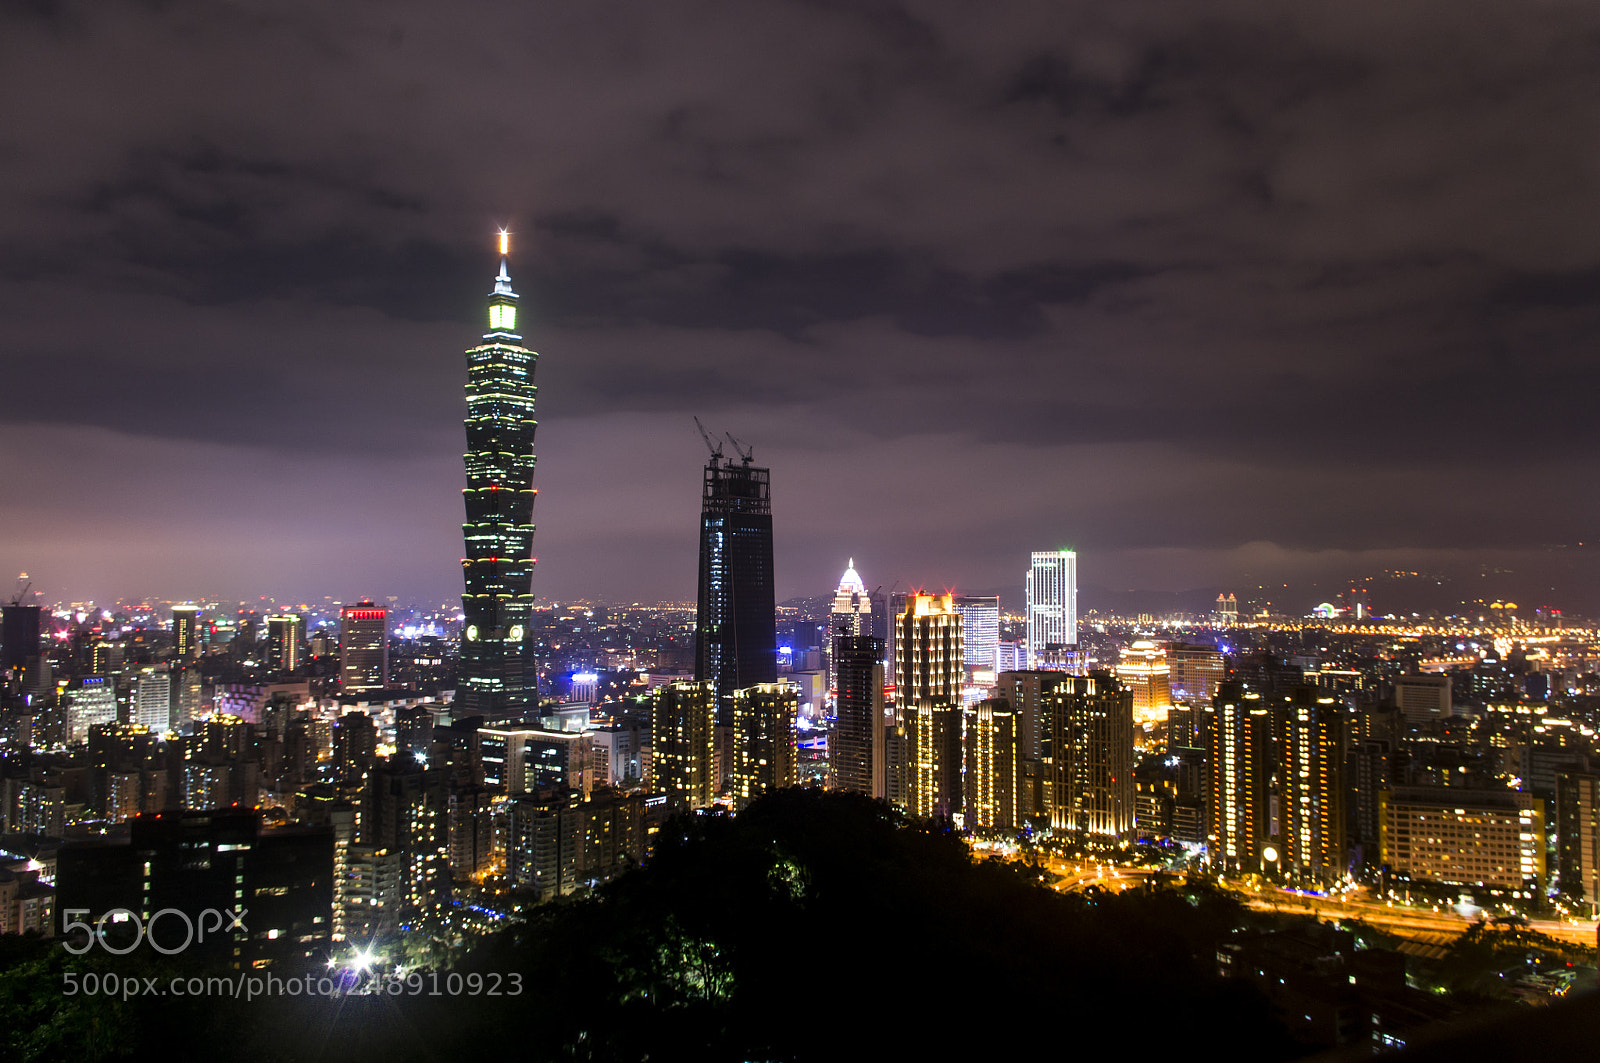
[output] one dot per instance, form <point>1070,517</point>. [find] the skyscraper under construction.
<point>498,675</point>
<point>736,628</point>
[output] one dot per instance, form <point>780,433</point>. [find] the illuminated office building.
<point>928,680</point>
<point>736,626</point>
<point>763,740</point>
<point>980,629</point>
<point>857,743</point>
<point>1052,602</point>
<point>1195,672</point>
<point>364,647</point>
<point>284,634</point>
<point>851,616</point>
<point>530,759</point>
<point>683,719</point>
<point>1423,698</point>
<point>152,700</point>
<point>1086,746</point>
<point>1489,838</point>
<point>186,631</point>
<point>90,700</point>
<point>498,676</point>
<point>991,766</point>
<point>1143,669</point>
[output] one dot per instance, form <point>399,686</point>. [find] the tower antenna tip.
<point>505,242</point>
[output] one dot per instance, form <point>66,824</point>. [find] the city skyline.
<point>1130,280</point>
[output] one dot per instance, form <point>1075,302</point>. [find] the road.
<point>1402,920</point>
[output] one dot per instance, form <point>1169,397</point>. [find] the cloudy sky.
<point>1220,294</point>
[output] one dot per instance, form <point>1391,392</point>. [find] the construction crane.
<point>24,586</point>
<point>715,448</point>
<point>746,454</point>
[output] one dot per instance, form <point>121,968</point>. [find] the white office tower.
<point>980,624</point>
<point>851,616</point>
<point>1052,602</point>
<point>153,700</point>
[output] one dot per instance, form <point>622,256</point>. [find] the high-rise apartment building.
<point>928,672</point>
<point>284,635</point>
<point>1238,730</point>
<point>991,766</point>
<point>1086,747</point>
<point>498,676</point>
<point>857,743</point>
<point>980,629</point>
<point>763,740</point>
<point>1309,735</point>
<point>364,647</point>
<point>1025,691</point>
<point>683,719</point>
<point>1578,837</point>
<point>736,626</point>
<point>1052,602</point>
<point>186,631</point>
<point>407,811</point>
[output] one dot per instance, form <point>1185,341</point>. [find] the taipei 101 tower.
<point>498,676</point>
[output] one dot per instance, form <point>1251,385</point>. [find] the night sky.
<point>1220,294</point>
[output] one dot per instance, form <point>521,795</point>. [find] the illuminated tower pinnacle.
<point>498,675</point>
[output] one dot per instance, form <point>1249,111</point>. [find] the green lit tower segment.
<point>498,676</point>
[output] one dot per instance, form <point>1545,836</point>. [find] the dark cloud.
<point>1197,289</point>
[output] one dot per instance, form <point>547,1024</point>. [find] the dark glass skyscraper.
<point>857,742</point>
<point>736,630</point>
<point>498,676</point>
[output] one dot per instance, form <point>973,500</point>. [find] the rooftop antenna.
<point>715,448</point>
